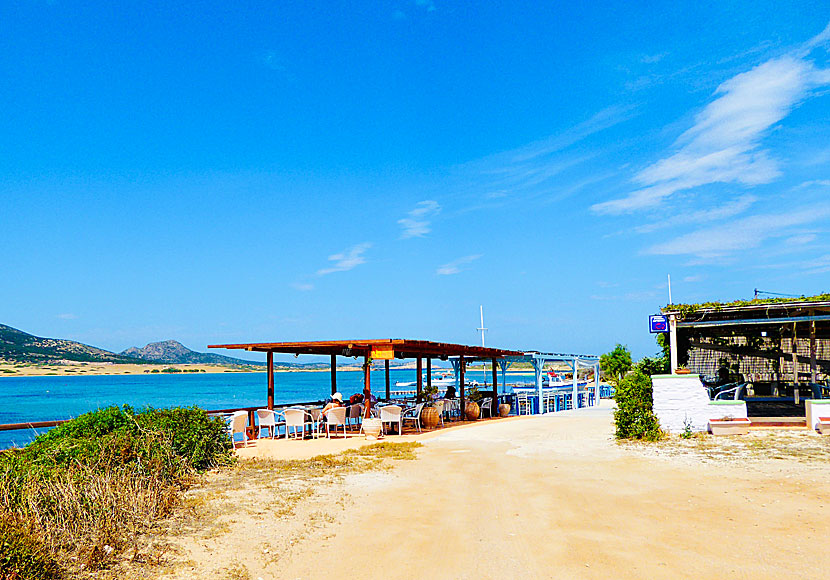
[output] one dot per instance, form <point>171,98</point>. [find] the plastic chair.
<point>267,419</point>
<point>355,413</point>
<point>413,414</point>
<point>295,418</point>
<point>391,414</point>
<point>523,402</point>
<point>439,405</point>
<point>487,405</point>
<point>732,394</point>
<point>239,421</point>
<point>335,418</point>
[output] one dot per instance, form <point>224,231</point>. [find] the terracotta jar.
<point>429,417</point>
<point>472,411</point>
<point>504,410</point>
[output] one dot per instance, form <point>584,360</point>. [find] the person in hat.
<point>336,401</point>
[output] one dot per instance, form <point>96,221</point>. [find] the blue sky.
<point>283,171</point>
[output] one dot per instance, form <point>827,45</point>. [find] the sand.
<point>537,497</point>
<point>9,369</point>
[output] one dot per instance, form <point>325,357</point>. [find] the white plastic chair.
<point>355,413</point>
<point>523,402</point>
<point>335,418</point>
<point>439,406</point>
<point>239,421</point>
<point>487,405</point>
<point>267,419</point>
<point>413,414</point>
<point>391,414</point>
<point>295,418</point>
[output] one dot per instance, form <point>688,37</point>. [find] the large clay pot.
<point>372,427</point>
<point>429,417</point>
<point>504,410</point>
<point>472,411</point>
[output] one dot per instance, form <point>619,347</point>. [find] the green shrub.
<point>100,479</point>
<point>22,555</point>
<point>634,416</point>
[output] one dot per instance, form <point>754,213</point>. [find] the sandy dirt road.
<point>555,497</point>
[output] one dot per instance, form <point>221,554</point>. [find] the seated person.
<point>356,399</point>
<point>450,392</point>
<point>336,401</point>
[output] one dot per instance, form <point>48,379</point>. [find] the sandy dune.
<point>554,497</point>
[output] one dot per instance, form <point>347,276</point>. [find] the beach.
<point>551,496</point>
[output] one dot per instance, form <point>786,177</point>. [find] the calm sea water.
<point>25,399</point>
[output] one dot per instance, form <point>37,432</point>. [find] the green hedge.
<point>634,416</point>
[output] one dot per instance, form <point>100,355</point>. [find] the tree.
<point>616,363</point>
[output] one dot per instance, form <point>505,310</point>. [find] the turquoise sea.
<point>47,398</point>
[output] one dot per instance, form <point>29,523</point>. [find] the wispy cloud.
<point>743,234</point>
<point>302,286</point>
<point>455,266</point>
<point>724,144</point>
<point>725,211</point>
<point>417,224</point>
<point>67,316</point>
<point>346,260</point>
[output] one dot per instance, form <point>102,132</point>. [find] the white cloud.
<point>820,265</point>
<point>723,146</point>
<point>416,224</point>
<point>800,239</point>
<point>302,286</point>
<point>347,260</point>
<point>454,267</point>
<point>67,316</point>
<point>694,278</point>
<point>743,234</point>
<point>728,210</point>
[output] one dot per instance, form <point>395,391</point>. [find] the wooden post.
<point>494,406</point>
<point>367,387</point>
<point>386,371</point>
<point>429,372</point>
<point>418,383</point>
<point>462,366</point>
<point>812,349</point>
<point>796,394</point>
<point>269,356</point>
<point>333,374</point>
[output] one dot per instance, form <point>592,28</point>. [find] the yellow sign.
<point>383,352</point>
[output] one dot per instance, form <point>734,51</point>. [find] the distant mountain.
<point>174,352</point>
<point>16,345</point>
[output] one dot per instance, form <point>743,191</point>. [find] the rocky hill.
<point>19,346</point>
<point>174,352</point>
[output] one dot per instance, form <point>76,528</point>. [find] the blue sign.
<point>658,323</point>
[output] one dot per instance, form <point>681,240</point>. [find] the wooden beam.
<point>494,406</point>
<point>270,362</point>
<point>796,393</point>
<point>420,378</point>
<point>812,351</point>
<point>388,384</point>
<point>429,372</point>
<point>462,366</point>
<point>333,374</point>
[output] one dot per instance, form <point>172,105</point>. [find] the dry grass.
<point>295,495</point>
<point>758,445</point>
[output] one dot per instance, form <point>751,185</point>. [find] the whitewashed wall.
<point>681,398</point>
<point>814,409</point>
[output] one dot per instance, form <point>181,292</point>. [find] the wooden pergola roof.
<point>402,348</point>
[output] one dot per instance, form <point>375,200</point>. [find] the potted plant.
<point>729,425</point>
<point>471,408</point>
<point>429,414</point>
<point>682,370</point>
